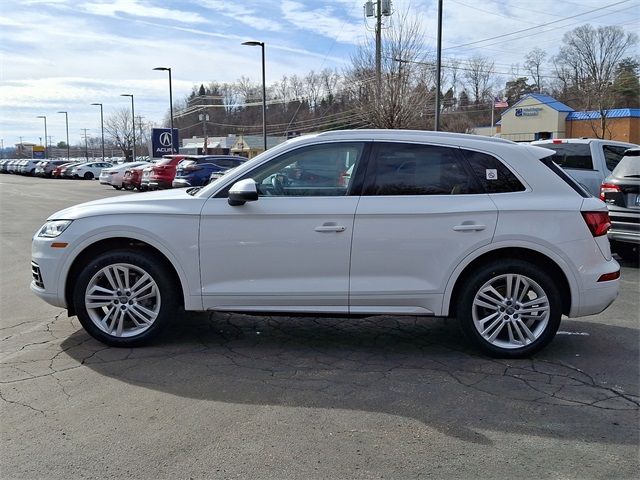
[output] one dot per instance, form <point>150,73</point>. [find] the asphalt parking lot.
<point>237,396</point>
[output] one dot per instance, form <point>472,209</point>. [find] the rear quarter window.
<point>492,174</point>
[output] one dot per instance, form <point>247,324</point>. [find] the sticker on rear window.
<point>492,173</point>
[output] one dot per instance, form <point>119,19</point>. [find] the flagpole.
<point>492,108</point>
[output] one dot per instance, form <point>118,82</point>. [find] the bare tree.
<point>479,76</point>
<point>313,87</point>
<point>586,64</point>
<point>405,89</point>
<point>118,127</point>
<point>533,66</point>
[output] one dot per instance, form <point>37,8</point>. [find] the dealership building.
<point>537,117</point>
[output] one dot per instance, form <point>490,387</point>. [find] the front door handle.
<point>330,227</point>
<point>466,227</point>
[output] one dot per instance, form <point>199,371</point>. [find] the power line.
<point>537,26</point>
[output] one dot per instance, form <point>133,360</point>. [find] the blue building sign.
<point>161,141</point>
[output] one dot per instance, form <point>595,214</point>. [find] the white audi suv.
<point>358,222</point>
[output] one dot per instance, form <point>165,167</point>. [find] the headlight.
<point>53,228</point>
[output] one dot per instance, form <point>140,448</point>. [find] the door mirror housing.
<point>242,192</point>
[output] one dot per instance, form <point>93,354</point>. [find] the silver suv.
<point>360,222</point>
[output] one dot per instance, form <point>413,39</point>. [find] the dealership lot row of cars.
<point>171,171</point>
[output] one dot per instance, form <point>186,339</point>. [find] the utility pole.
<point>204,118</point>
<point>382,9</point>
<point>438,67</point>
<point>86,145</point>
<point>140,129</point>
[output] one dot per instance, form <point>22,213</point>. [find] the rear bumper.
<point>624,236</point>
<point>155,183</point>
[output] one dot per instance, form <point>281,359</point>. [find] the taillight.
<point>598,222</point>
<point>608,188</point>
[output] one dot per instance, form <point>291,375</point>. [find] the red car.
<point>60,170</point>
<point>132,178</point>
<point>163,172</point>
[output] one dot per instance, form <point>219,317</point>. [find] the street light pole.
<point>45,134</point>
<point>264,92</point>
<point>66,121</point>
<point>438,67</point>
<point>168,69</point>
<point>101,127</point>
<point>133,122</point>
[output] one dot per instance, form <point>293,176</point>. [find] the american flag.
<point>497,103</point>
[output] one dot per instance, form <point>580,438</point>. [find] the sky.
<point>63,55</point>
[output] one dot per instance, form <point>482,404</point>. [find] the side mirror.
<point>242,192</point>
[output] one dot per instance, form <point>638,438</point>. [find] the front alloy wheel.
<point>124,298</point>
<point>510,308</point>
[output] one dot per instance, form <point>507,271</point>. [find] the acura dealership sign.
<point>161,141</point>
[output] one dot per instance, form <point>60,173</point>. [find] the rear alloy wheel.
<point>510,309</point>
<point>88,176</point>
<point>124,298</point>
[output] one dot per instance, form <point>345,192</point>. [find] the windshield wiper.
<point>192,191</point>
<point>632,176</point>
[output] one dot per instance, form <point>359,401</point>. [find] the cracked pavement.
<point>226,395</point>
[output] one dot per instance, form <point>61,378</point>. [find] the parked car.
<point>429,223</point>
<point>195,170</point>
<point>132,178</point>
<point>45,169</point>
<point>145,175</point>
<point>621,192</point>
<point>21,168</point>
<point>60,170</point>
<point>161,174</point>
<point>114,175</point>
<point>587,160</point>
<point>4,163</point>
<point>89,170</point>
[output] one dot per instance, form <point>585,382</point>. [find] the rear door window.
<point>571,155</point>
<point>411,169</point>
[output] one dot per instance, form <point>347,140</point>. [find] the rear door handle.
<point>330,227</point>
<point>469,227</point>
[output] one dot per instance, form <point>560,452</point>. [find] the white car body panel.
<point>269,254</point>
<point>405,247</point>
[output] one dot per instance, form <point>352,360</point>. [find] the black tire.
<point>128,186</point>
<point>88,176</point>
<point>495,272</point>
<point>117,188</point>
<point>140,263</point>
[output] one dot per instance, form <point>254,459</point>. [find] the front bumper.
<point>46,263</point>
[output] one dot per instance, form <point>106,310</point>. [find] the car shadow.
<point>583,384</point>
